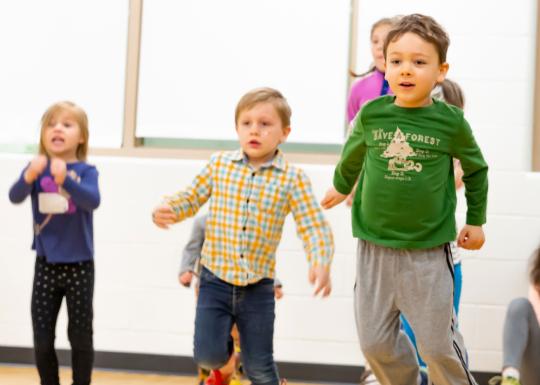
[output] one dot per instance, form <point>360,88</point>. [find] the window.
<point>62,50</point>
<point>198,58</point>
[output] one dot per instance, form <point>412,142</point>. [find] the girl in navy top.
<point>64,192</point>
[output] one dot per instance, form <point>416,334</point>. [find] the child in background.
<point>404,210</point>
<point>64,193</point>
<point>521,336</point>
<point>190,266</point>
<point>372,83</point>
<point>252,191</point>
<point>451,93</point>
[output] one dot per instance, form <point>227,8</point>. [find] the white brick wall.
<point>140,307</point>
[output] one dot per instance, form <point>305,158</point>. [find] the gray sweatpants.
<point>521,341</point>
<point>419,284</point>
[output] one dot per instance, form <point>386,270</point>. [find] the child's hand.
<point>163,216</point>
<point>332,198</point>
<point>350,197</point>
<point>35,168</point>
<point>185,278</point>
<point>278,292</point>
<point>471,237</point>
<point>320,276</point>
<point>58,170</point>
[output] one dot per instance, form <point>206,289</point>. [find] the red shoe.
<point>215,378</point>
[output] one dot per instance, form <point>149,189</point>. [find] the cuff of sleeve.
<point>320,261</point>
<point>475,220</point>
<point>69,183</point>
<point>342,188</point>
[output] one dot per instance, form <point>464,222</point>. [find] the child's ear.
<point>286,132</point>
<point>443,70</point>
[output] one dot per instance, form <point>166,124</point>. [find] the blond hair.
<point>76,113</point>
<point>390,21</point>
<point>265,95</point>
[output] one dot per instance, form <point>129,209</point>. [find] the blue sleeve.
<point>20,189</point>
<point>85,194</point>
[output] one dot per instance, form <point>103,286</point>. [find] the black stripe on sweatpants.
<point>459,353</point>
<point>449,260</point>
<point>465,368</point>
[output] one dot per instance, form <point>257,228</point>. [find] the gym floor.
<point>27,375</point>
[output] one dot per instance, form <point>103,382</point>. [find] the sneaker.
<point>215,378</point>
<point>368,378</point>
<point>203,375</point>
<point>235,381</point>
<point>503,381</point>
<point>424,379</point>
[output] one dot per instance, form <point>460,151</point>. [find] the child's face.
<point>260,131</point>
<point>377,42</point>
<point>413,69</point>
<point>62,136</point>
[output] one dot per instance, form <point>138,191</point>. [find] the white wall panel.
<point>62,50</point>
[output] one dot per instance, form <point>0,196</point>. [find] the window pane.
<point>199,57</point>
<point>62,50</point>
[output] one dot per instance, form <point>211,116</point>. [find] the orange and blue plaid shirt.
<point>247,212</point>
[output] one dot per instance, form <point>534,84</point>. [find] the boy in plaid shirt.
<point>252,190</point>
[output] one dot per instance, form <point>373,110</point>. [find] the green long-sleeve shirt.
<point>406,195</point>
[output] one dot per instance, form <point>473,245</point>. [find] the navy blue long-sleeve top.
<point>68,237</point>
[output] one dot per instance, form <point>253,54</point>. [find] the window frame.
<point>536,103</point>
<point>193,148</point>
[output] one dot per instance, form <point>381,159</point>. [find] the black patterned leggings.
<point>52,282</point>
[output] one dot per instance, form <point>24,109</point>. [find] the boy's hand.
<point>35,168</point>
<point>163,216</point>
<point>320,276</point>
<point>471,237</point>
<point>58,170</point>
<point>185,278</point>
<point>278,292</point>
<point>332,198</point>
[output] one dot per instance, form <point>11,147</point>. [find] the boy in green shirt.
<point>403,210</point>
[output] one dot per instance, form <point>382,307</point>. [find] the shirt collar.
<point>278,161</point>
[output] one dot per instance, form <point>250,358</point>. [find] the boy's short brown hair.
<point>80,117</point>
<point>265,95</point>
<point>424,26</point>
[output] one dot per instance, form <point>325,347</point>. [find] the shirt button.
<point>253,174</point>
<point>244,228</point>
<point>241,255</point>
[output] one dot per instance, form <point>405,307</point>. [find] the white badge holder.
<point>50,203</point>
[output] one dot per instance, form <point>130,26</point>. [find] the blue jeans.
<point>251,308</point>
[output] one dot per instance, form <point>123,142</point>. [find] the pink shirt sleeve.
<point>362,91</point>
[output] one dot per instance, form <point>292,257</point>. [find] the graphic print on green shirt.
<point>406,195</point>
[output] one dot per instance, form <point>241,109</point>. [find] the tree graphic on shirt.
<point>398,151</point>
